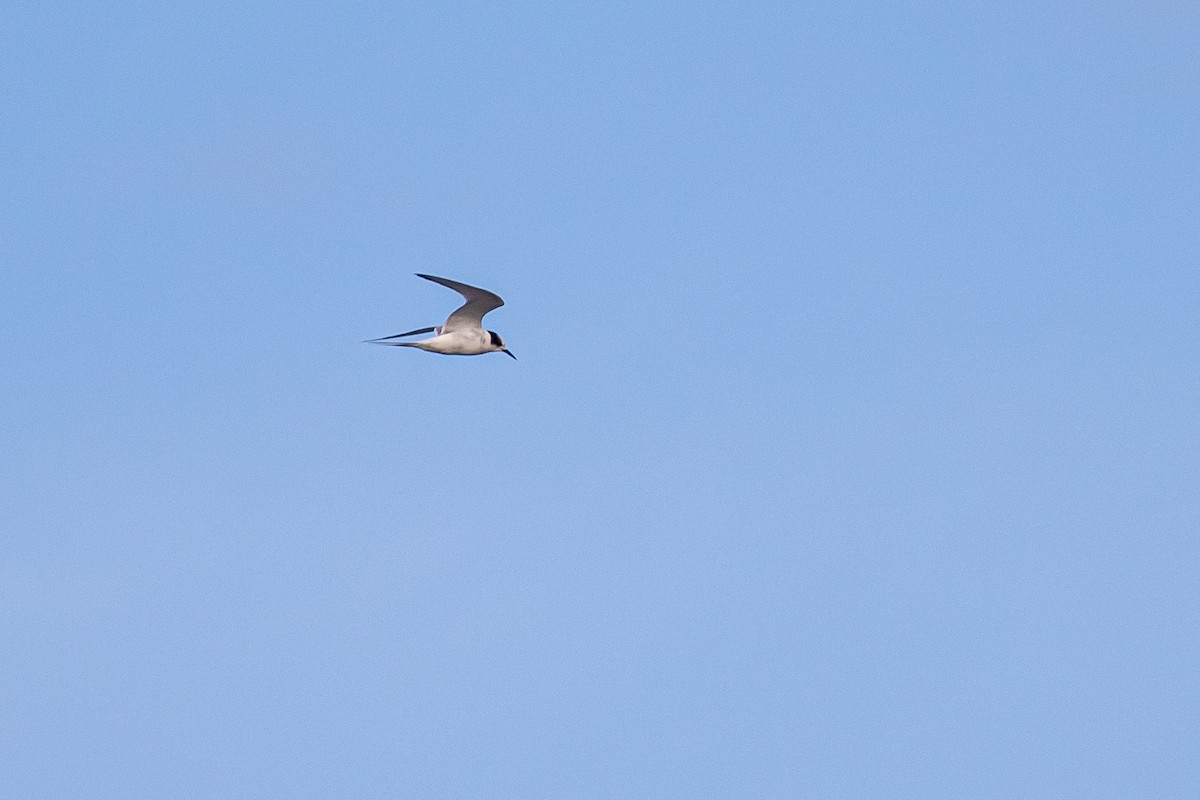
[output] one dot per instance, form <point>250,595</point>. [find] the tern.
<point>462,333</point>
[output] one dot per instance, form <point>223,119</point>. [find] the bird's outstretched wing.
<point>383,339</point>
<point>469,314</point>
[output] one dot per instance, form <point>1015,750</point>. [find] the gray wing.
<point>469,314</point>
<point>383,339</point>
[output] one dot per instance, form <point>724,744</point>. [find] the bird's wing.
<point>400,335</point>
<point>469,314</point>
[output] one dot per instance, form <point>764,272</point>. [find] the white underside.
<point>457,343</point>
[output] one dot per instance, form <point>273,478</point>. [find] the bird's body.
<point>462,333</point>
<point>454,343</point>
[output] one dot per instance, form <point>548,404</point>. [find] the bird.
<point>462,333</point>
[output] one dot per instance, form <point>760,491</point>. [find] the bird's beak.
<point>506,350</point>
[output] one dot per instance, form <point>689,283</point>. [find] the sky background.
<point>853,448</point>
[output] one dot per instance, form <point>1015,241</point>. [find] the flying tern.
<point>462,333</point>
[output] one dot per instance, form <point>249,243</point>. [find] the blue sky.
<point>852,451</point>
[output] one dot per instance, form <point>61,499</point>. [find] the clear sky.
<point>853,448</point>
